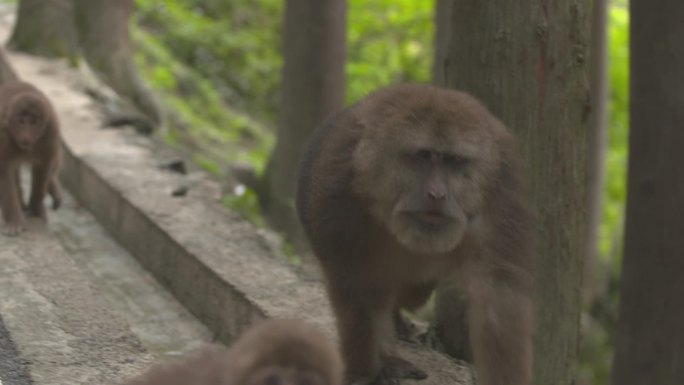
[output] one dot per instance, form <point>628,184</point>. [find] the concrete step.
<point>64,331</point>
<point>75,308</point>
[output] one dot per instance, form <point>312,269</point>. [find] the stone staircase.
<point>76,308</point>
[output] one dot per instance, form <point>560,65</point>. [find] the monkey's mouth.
<point>23,146</point>
<point>430,219</point>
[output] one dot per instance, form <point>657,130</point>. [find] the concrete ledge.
<point>214,262</point>
<point>63,329</point>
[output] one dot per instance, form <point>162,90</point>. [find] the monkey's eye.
<point>309,380</point>
<point>425,155</point>
<point>454,161</point>
<point>27,120</point>
<point>273,379</point>
<point>419,157</point>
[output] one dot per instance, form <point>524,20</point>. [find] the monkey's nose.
<point>436,194</point>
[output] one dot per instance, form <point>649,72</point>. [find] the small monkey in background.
<point>414,187</point>
<point>275,352</point>
<point>29,134</point>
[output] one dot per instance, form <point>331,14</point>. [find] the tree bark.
<point>597,143</point>
<point>650,335</point>
<point>313,88</point>
<point>528,63</point>
<point>104,36</point>
<point>45,28</point>
<point>442,21</point>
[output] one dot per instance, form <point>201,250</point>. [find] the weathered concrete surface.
<point>65,331</point>
<point>215,263</point>
<point>115,280</point>
<point>165,328</point>
<point>13,369</point>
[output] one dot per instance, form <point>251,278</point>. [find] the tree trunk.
<point>597,143</point>
<point>7,73</point>
<point>442,21</point>
<point>528,63</point>
<point>104,36</point>
<point>650,336</point>
<point>45,28</point>
<point>450,323</point>
<point>313,88</point>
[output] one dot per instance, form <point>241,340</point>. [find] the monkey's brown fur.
<point>283,352</point>
<point>412,187</point>
<point>29,134</point>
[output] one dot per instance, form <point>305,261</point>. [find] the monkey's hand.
<point>14,227</point>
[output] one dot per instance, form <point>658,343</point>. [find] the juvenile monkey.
<point>275,352</point>
<point>29,134</point>
<point>412,187</point>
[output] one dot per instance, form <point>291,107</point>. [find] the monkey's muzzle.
<point>430,220</point>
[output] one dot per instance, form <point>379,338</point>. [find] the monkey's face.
<point>424,172</point>
<point>429,215</point>
<point>280,375</point>
<point>26,124</point>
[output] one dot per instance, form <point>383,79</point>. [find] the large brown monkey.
<point>407,189</point>
<point>275,352</point>
<point>29,134</point>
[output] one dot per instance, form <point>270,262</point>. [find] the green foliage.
<point>616,159</point>
<point>598,323</point>
<point>217,64</point>
<point>247,204</point>
<point>388,41</point>
<point>208,164</point>
<point>233,44</point>
<point>222,134</point>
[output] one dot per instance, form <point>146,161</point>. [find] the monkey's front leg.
<point>41,177</point>
<point>501,328</point>
<point>55,191</point>
<point>15,222</point>
<point>362,320</point>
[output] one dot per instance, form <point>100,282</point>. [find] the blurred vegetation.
<point>217,65</point>
<point>599,320</point>
<point>233,45</point>
<point>616,162</point>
